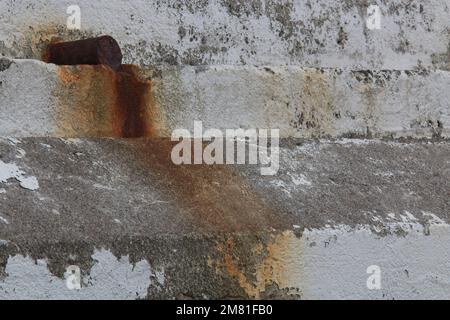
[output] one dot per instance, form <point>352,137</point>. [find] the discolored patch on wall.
<point>215,197</point>
<point>96,101</point>
<point>34,39</point>
<point>264,271</point>
<point>315,114</point>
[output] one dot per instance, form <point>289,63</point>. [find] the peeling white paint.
<point>3,220</point>
<point>13,141</point>
<point>433,219</point>
<point>300,180</point>
<point>325,263</point>
<point>280,184</point>
<point>8,171</point>
<point>12,171</point>
<point>109,278</point>
<point>20,153</point>
<point>331,262</point>
<point>30,183</point>
<point>47,146</point>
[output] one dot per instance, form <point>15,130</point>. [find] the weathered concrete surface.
<point>39,99</point>
<point>139,227</point>
<point>306,103</point>
<point>258,32</point>
<point>311,231</point>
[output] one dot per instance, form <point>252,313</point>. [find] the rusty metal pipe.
<point>102,50</point>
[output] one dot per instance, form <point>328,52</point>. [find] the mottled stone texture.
<point>138,226</point>
<point>86,101</point>
<point>73,192</point>
<point>258,32</point>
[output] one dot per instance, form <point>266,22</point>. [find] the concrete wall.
<point>235,32</point>
<point>250,59</point>
<point>139,227</point>
<point>301,102</point>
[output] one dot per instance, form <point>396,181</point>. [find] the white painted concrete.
<point>327,263</point>
<point>289,65</point>
<point>259,32</point>
<point>12,171</point>
<point>414,266</point>
<point>301,102</point>
<point>110,278</point>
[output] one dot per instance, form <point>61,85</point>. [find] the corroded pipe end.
<point>102,50</point>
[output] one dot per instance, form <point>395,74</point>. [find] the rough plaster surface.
<point>11,171</point>
<point>304,102</point>
<point>110,278</point>
<point>311,231</point>
<point>28,104</point>
<point>326,263</point>
<point>140,228</point>
<point>301,102</point>
<point>332,263</point>
<point>257,32</point>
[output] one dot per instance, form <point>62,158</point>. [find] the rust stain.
<point>315,113</point>
<point>97,101</point>
<point>271,267</point>
<point>45,56</point>
<point>216,197</point>
<point>100,97</point>
<point>132,113</point>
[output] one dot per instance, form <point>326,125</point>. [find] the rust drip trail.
<point>98,101</point>
<point>216,197</point>
<point>132,113</point>
<point>100,96</point>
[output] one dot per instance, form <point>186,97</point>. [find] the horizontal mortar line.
<point>257,67</point>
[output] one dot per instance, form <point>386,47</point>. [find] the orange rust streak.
<point>96,101</point>
<point>270,265</point>
<point>215,196</point>
<point>131,116</point>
